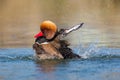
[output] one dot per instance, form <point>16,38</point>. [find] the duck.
<point>49,45</point>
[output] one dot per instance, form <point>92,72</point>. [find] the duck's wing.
<point>76,27</point>
<point>64,32</point>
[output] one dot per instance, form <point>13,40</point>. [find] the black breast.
<point>66,52</point>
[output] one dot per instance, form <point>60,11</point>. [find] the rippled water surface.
<point>96,64</point>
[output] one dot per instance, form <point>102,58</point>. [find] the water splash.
<point>93,51</point>
<point>90,50</point>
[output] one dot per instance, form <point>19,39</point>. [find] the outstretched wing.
<point>64,32</point>
<point>76,27</point>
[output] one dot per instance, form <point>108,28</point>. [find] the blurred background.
<point>20,20</point>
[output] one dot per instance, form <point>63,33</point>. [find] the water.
<point>20,20</point>
<point>96,64</point>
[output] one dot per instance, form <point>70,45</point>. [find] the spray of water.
<point>93,51</point>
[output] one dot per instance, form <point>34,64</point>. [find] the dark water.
<point>96,64</point>
<point>20,20</point>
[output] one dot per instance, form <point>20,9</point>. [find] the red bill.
<point>38,35</point>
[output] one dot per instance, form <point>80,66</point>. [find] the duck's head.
<point>48,28</point>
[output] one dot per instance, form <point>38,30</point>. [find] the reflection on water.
<point>20,19</point>
<point>48,66</point>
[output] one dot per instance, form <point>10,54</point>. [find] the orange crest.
<point>48,28</point>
